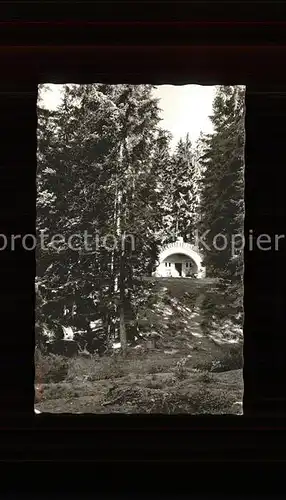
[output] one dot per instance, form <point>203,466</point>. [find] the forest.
<point>106,169</point>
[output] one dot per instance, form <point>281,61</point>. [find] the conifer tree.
<point>180,192</point>
<point>99,176</point>
<point>222,195</point>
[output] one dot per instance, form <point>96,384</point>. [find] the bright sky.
<point>185,108</point>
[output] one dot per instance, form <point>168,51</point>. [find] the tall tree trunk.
<point>113,264</point>
<point>120,279</point>
<point>123,336</point>
<point>123,332</point>
<point>122,302</point>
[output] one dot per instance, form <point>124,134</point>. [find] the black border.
<point>258,435</point>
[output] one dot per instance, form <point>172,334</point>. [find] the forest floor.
<point>187,372</point>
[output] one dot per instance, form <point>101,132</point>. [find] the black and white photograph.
<point>140,239</point>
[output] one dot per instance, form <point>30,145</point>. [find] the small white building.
<point>180,259</point>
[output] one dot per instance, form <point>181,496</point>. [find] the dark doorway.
<point>178,266</point>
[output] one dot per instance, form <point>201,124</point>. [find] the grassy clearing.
<point>187,372</point>
<point>153,383</point>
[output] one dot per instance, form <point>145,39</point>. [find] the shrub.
<point>50,368</point>
<point>81,368</point>
<point>115,366</point>
<point>109,368</point>
<point>204,366</point>
<point>180,370</point>
<point>206,401</point>
<point>58,391</point>
<point>168,380</point>
<point>231,360</point>
<point>156,367</point>
<point>94,368</point>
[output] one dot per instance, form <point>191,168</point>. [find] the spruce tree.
<point>222,204</point>
<point>83,145</point>
<point>180,192</point>
<point>99,176</point>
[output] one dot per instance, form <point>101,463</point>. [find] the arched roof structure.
<point>180,247</point>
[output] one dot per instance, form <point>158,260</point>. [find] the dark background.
<point>238,50</point>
